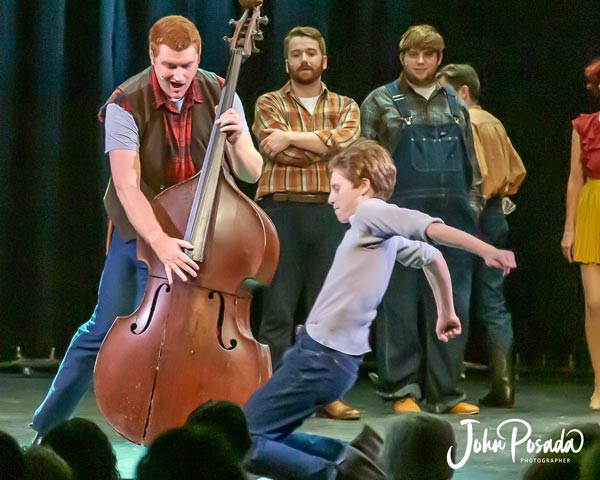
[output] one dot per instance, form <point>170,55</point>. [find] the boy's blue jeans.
<point>311,375</point>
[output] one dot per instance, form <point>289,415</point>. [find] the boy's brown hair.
<point>175,32</point>
<point>366,159</point>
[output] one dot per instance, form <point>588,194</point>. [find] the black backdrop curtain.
<point>60,59</point>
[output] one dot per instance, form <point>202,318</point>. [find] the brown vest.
<point>153,148</point>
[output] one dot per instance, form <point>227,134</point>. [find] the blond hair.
<point>422,37</point>
<point>366,159</point>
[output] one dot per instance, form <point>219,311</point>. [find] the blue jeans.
<point>489,302</point>
<point>310,376</point>
<point>121,288</point>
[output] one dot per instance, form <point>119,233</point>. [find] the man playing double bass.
<point>158,126</point>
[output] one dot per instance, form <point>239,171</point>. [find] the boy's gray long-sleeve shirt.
<point>380,235</point>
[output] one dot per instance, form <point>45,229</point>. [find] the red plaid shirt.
<point>178,127</point>
<point>178,131</point>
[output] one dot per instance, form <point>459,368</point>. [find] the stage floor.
<point>543,404</point>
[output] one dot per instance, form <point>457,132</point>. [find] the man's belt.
<point>300,197</point>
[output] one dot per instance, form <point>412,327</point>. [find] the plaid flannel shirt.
<point>178,128</point>
<point>335,120</point>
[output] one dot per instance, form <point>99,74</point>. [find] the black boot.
<point>370,443</point>
<point>502,391</point>
<point>355,465</point>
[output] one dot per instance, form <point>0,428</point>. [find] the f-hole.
<point>232,342</point>
<point>134,326</point>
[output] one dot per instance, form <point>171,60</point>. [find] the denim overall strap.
<point>452,102</point>
<point>400,101</point>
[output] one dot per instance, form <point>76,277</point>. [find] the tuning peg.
<point>233,21</point>
<point>227,39</point>
<point>263,20</point>
<point>259,36</point>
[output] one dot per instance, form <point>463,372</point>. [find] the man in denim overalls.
<point>428,132</point>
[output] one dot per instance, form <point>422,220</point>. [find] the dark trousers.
<point>410,358</point>
<point>310,375</point>
<point>121,288</point>
<point>309,235</point>
<point>489,303</point>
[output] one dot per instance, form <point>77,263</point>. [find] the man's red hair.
<point>175,32</point>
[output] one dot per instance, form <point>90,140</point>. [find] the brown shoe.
<point>405,405</point>
<point>338,410</point>
<point>464,408</point>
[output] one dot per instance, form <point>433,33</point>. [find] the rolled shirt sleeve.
<point>121,131</point>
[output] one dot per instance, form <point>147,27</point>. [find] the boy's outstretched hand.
<point>447,327</point>
<point>501,259</point>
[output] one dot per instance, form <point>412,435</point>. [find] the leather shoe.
<point>464,408</point>
<point>405,405</point>
<point>338,410</point>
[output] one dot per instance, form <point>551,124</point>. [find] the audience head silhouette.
<point>228,418</point>
<point>190,453</point>
<point>406,441</point>
<point>85,447</point>
<point>590,463</point>
<point>12,463</point>
<point>584,435</point>
<point>43,463</point>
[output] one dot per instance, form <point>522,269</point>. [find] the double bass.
<point>189,342</point>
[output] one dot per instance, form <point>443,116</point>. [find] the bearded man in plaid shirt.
<point>296,125</point>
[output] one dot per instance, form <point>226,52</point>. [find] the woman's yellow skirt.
<point>587,223</point>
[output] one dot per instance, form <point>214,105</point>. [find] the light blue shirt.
<point>380,235</point>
